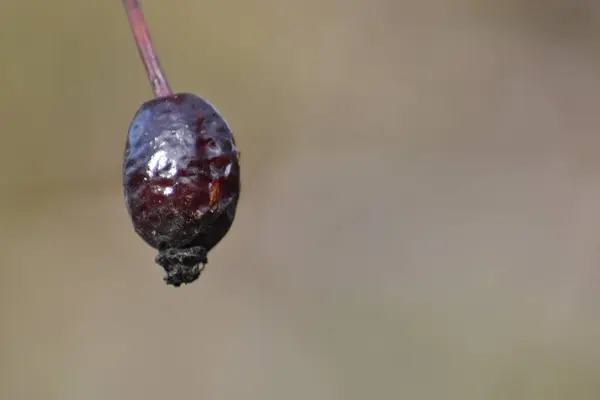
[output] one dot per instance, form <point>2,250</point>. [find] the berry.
<point>181,171</point>
<point>182,181</point>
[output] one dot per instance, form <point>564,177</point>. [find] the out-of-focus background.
<point>420,216</point>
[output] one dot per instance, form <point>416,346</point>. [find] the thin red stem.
<point>139,28</point>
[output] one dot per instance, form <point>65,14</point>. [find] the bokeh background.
<point>420,216</point>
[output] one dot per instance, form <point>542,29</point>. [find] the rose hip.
<point>181,172</point>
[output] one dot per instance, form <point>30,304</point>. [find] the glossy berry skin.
<point>181,181</point>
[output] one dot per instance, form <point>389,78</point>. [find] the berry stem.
<point>139,28</point>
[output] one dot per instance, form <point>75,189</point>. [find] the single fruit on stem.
<point>181,171</point>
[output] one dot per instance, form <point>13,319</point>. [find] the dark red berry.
<point>182,181</point>
<point>181,171</point>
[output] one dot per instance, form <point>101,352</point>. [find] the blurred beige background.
<point>420,216</point>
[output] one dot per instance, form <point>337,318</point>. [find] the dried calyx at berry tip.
<point>182,265</point>
<point>181,171</point>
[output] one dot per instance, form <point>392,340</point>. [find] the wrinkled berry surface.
<point>181,181</point>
